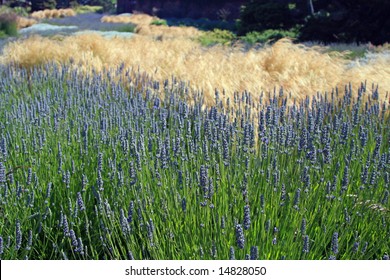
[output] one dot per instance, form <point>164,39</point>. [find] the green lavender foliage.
<point>92,168</point>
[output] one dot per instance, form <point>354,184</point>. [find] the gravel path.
<point>82,23</point>
<point>88,21</point>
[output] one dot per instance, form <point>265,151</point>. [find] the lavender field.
<point>96,167</point>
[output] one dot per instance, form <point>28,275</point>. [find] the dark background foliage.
<point>326,21</point>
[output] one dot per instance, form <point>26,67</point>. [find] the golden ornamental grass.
<point>144,27</point>
<point>23,22</point>
<point>138,19</point>
<point>54,13</point>
<point>298,69</point>
<point>163,31</point>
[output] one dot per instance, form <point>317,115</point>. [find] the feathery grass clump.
<point>92,168</point>
<point>53,13</point>
<point>138,19</point>
<point>300,70</point>
<point>153,26</point>
<point>23,22</point>
<point>10,23</point>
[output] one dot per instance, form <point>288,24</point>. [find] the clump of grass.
<point>145,25</point>
<point>167,32</point>
<point>217,36</point>
<point>83,9</point>
<point>23,22</point>
<point>270,35</point>
<point>300,70</point>
<point>54,13</point>
<point>18,14</point>
<point>138,19</point>
<point>8,24</point>
<point>159,22</point>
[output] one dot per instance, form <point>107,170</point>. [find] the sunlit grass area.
<point>300,70</point>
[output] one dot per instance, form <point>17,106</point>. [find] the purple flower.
<point>306,177</point>
<point>214,250</point>
<point>297,198</point>
<point>231,253</point>
<point>306,244</point>
<point>184,204</point>
<point>2,173</point>
<point>18,242</point>
<point>124,223</point>
<point>73,238</point>
<point>84,182</point>
<point>254,253</point>
<point>29,240</point>
<point>203,177</point>
<point>150,229</point>
<point>262,201</point>
<point>80,202</point>
<point>1,246</point>
<point>100,181</point>
<point>247,217</point>
<point>3,147</point>
<point>355,247</point>
<point>100,161</point>
<point>65,226</point>
<point>29,176</point>
<point>80,246</point>
<point>223,222</point>
<point>335,243</point>
<point>240,239</point>
<point>303,226</point>
<point>130,212</point>
<point>345,181</point>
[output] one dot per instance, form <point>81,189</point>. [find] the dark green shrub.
<point>159,22</point>
<point>349,21</point>
<point>107,5</point>
<point>2,34</point>
<point>217,36</point>
<point>261,15</point>
<point>37,5</point>
<point>268,35</point>
<point>8,24</point>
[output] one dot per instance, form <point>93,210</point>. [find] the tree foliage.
<point>37,5</point>
<point>321,20</point>
<point>260,15</point>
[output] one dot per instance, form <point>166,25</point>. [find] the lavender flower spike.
<point>80,202</point>
<point>335,243</point>
<point>247,217</point>
<point>18,244</point>
<point>240,239</point>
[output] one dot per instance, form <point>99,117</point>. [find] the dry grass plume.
<point>298,69</point>
<point>144,26</point>
<point>23,22</point>
<point>54,13</point>
<point>138,19</point>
